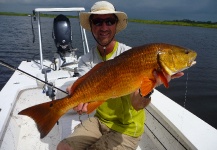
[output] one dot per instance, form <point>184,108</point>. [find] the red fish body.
<point>120,76</point>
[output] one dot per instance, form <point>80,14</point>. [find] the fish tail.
<point>45,115</point>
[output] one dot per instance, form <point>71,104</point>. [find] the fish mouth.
<point>193,63</point>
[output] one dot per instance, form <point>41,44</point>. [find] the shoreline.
<point>184,22</point>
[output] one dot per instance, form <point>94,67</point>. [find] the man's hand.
<point>168,77</point>
<point>82,107</point>
<point>139,102</point>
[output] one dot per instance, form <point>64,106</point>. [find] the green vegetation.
<point>184,22</point>
<point>23,14</point>
<point>13,14</point>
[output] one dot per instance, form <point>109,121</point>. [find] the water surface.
<point>16,45</point>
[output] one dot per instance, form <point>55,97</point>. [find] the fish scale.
<point>120,76</point>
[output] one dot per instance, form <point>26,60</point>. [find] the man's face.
<point>104,27</point>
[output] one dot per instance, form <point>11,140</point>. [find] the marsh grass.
<point>183,22</point>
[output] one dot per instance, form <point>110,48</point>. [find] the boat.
<point>167,126</point>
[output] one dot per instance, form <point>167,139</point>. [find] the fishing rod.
<point>26,73</point>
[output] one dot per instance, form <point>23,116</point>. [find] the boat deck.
<point>168,125</point>
<point>25,132</point>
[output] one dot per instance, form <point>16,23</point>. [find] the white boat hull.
<point>168,125</point>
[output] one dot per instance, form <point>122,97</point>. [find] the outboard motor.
<point>62,36</point>
<point>62,33</point>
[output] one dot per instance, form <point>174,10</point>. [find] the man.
<point>118,123</point>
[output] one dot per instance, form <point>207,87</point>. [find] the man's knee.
<point>63,146</point>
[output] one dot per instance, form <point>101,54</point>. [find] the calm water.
<point>16,45</point>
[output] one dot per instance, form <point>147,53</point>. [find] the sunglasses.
<point>108,21</point>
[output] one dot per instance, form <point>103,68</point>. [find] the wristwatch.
<point>148,95</point>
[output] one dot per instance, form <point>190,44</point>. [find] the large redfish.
<point>120,76</point>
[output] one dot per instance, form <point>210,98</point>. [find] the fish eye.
<point>186,51</point>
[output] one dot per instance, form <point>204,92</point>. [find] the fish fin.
<point>93,105</point>
<point>163,78</point>
<point>85,76</point>
<point>45,115</point>
<point>146,86</point>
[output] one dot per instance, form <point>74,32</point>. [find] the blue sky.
<point>198,10</point>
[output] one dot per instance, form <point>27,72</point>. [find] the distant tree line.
<point>197,22</point>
